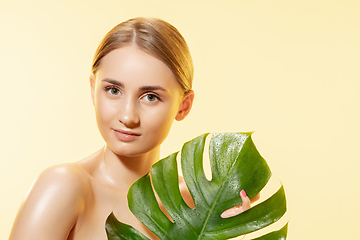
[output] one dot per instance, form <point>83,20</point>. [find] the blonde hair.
<point>155,37</point>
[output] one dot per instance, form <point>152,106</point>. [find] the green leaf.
<point>276,235</point>
<point>116,230</point>
<point>235,163</point>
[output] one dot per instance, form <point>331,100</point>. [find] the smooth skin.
<point>136,99</point>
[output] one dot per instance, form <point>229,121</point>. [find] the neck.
<point>123,171</point>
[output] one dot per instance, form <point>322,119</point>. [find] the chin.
<point>130,151</point>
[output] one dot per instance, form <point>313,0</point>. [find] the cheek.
<point>105,112</point>
<point>161,121</point>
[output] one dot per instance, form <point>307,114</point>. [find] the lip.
<point>125,135</point>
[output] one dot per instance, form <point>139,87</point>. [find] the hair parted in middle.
<point>155,37</point>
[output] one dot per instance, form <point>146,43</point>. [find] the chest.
<point>98,204</point>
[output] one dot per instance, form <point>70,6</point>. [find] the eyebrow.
<point>120,84</point>
<point>143,88</point>
<point>151,88</point>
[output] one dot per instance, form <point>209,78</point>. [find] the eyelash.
<point>109,88</point>
<point>151,94</point>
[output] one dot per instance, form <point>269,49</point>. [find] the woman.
<point>141,81</point>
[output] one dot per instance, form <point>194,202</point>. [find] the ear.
<point>92,85</point>
<point>186,105</point>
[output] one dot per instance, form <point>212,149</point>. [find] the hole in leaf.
<point>206,158</point>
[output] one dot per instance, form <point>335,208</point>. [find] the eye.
<point>113,90</point>
<point>151,97</point>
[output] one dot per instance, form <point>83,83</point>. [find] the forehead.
<point>133,66</point>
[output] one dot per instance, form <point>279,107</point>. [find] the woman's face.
<point>136,99</point>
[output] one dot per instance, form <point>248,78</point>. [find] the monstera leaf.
<point>235,164</point>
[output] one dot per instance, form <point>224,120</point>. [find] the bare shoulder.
<point>53,204</point>
<point>67,175</point>
<point>65,180</point>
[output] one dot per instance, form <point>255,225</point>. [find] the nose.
<point>128,114</point>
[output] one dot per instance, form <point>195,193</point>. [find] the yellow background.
<point>288,70</point>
